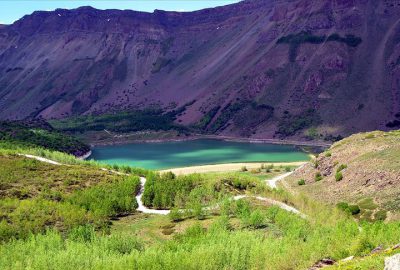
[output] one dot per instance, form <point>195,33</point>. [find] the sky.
<point>12,10</point>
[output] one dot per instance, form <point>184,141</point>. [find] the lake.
<point>168,155</point>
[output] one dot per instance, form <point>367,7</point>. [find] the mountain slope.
<point>257,68</point>
<point>362,169</point>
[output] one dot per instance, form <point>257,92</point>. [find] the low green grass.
<point>219,244</point>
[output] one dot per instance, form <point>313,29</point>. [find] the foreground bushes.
<point>196,190</point>
<point>108,199</point>
<point>288,242</point>
<point>20,218</point>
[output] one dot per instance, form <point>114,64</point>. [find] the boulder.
<point>392,263</point>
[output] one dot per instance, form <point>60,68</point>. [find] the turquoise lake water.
<point>168,155</point>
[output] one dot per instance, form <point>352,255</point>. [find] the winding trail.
<point>273,182</point>
<point>142,208</point>
<point>41,159</point>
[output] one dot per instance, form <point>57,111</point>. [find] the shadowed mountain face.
<point>257,68</point>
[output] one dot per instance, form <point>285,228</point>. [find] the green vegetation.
<point>341,167</point>
<point>227,113</point>
<point>71,217</point>
<point>365,210</point>
<point>290,124</point>
<point>250,237</point>
<point>40,135</point>
<point>207,118</point>
<point>150,119</point>
<point>242,113</point>
<point>367,203</point>
<point>318,176</point>
<point>338,176</point>
<point>295,40</point>
<point>196,190</point>
<point>301,182</point>
<point>36,196</point>
<point>353,209</point>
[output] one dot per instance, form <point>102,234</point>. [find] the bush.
<point>338,176</point>
<point>328,154</point>
<point>175,215</point>
<point>256,220</point>
<point>108,199</point>
<point>122,244</point>
<point>351,209</point>
<point>301,182</point>
<point>354,209</point>
<point>243,169</point>
<point>316,163</point>
<point>318,177</point>
<point>341,167</point>
<point>380,215</point>
<point>84,233</point>
<point>269,168</point>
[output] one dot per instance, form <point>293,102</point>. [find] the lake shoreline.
<point>216,137</point>
<point>227,167</point>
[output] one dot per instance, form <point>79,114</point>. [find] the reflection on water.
<point>198,152</point>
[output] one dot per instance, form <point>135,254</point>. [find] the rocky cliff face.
<point>257,68</point>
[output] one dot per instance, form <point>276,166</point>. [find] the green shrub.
<point>362,247</point>
<point>341,167</point>
<point>367,203</point>
<point>380,215</point>
<point>354,209</point>
<point>175,215</point>
<point>328,154</point>
<point>301,182</point>
<point>108,199</point>
<point>318,176</point>
<point>84,233</point>
<point>243,169</point>
<point>338,176</point>
<point>256,220</point>
<point>316,163</point>
<point>349,208</point>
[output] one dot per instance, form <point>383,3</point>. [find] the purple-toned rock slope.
<point>254,68</point>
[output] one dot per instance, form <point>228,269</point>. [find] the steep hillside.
<point>258,68</point>
<point>363,169</point>
<point>39,134</point>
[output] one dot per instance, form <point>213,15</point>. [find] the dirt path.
<point>41,159</point>
<point>274,181</point>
